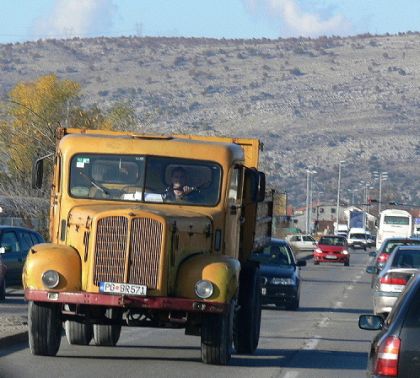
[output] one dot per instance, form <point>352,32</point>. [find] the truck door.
<point>55,206</point>
<point>233,216</point>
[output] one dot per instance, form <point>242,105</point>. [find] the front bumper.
<point>278,294</point>
<point>358,245</point>
<point>338,258</point>
<point>127,301</point>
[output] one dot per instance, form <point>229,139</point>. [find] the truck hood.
<point>331,248</point>
<point>143,245</point>
<point>185,220</point>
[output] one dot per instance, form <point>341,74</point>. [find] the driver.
<point>178,188</point>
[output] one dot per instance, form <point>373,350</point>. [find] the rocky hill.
<point>313,102</point>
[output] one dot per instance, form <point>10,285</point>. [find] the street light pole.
<point>338,193</point>
<point>308,198</point>
<point>381,176</point>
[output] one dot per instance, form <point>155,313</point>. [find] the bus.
<point>394,223</point>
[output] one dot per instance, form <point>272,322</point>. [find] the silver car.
<point>301,242</point>
<point>403,262</point>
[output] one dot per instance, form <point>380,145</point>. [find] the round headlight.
<point>345,252</point>
<point>51,279</point>
<point>204,289</point>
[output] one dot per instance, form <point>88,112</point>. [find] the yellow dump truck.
<point>134,245</point>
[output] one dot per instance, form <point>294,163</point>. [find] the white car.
<point>302,242</point>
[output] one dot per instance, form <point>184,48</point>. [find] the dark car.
<point>395,351</point>
<point>332,248</point>
<point>15,243</point>
<point>3,269</point>
<point>280,274</point>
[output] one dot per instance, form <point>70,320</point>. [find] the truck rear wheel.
<point>248,317</point>
<point>78,333</point>
<point>217,337</point>
<point>44,328</point>
<point>108,334</point>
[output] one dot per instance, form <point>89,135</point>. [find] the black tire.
<point>3,290</point>
<point>217,337</point>
<point>108,334</point>
<point>44,328</point>
<point>248,317</point>
<point>78,333</point>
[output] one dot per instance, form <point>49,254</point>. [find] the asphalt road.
<point>321,339</point>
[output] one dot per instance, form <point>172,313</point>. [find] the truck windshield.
<point>145,179</point>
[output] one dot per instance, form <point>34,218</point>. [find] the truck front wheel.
<point>78,333</point>
<point>217,337</point>
<point>44,328</point>
<point>248,318</point>
<point>108,334</point>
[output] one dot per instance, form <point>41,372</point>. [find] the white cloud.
<point>295,21</point>
<point>76,18</point>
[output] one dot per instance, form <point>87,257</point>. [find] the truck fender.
<point>221,271</point>
<point>48,256</point>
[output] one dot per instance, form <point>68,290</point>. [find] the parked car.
<point>279,274</point>
<point>332,248</point>
<point>15,243</point>
<point>395,350</point>
<point>403,262</point>
<point>301,242</point>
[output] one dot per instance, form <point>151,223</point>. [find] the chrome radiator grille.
<point>142,253</point>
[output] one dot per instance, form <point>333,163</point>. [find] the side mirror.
<point>371,269</point>
<point>254,189</point>
<point>261,187</point>
<point>37,173</point>
<point>301,263</point>
<point>371,322</point>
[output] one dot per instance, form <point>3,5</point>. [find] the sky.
<point>31,20</point>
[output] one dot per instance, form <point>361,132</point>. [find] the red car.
<point>332,248</point>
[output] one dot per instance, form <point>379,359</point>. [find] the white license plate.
<point>122,288</point>
<point>263,291</point>
<point>331,257</point>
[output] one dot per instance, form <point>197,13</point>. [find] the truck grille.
<point>142,253</point>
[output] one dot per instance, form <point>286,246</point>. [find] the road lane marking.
<point>323,323</point>
<point>350,287</point>
<point>312,343</point>
<point>291,374</point>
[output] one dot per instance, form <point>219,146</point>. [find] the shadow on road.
<point>322,309</point>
